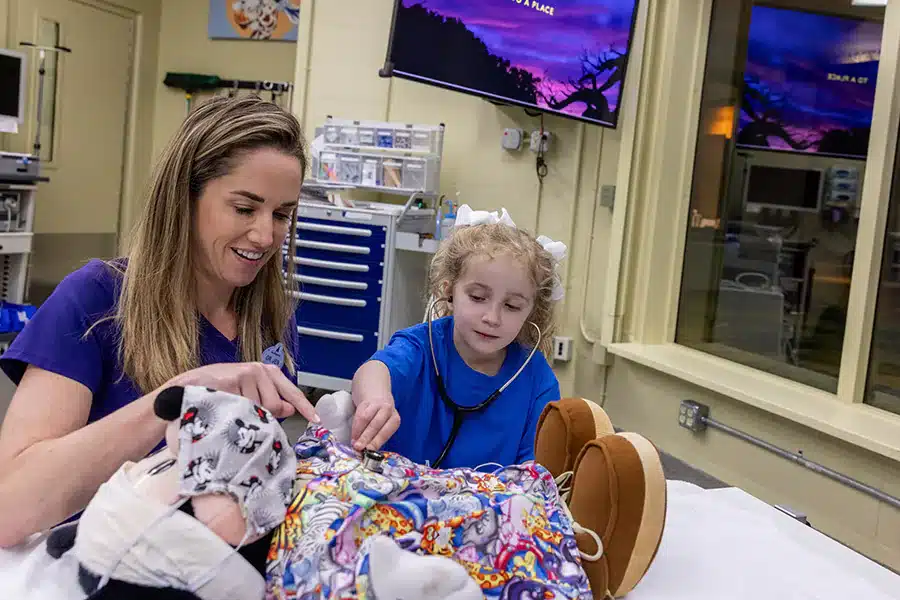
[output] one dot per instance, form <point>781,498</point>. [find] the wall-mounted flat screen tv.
<point>809,82</point>
<point>566,57</point>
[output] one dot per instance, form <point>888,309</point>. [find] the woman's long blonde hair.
<point>491,240</point>
<point>157,317</point>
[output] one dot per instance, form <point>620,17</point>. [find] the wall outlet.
<point>692,415</point>
<point>562,348</point>
<point>537,143</point>
<point>608,196</point>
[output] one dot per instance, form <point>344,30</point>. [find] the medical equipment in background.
<point>12,86</point>
<point>194,83</point>
<point>362,265</point>
<point>42,71</point>
<point>19,177</point>
<point>459,412</point>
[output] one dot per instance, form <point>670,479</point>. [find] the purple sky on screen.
<point>792,53</point>
<point>544,45</point>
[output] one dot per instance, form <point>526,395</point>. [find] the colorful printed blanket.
<point>506,528</point>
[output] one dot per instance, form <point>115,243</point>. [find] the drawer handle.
<point>336,283</point>
<point>331,335</point>
<point>330,264</point>
<point>329,299</point>
<point>334,229</point>
<point>328,246</point>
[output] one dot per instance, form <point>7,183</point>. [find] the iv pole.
<point>42,56</point>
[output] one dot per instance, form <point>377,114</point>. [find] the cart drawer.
<point>334,351</point>
<point>338,310</point>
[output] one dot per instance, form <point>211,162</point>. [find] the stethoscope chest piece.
<point>372,461</point>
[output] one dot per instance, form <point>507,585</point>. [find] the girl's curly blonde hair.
<point>491,240</point>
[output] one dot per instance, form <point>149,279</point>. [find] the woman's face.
<point>242,218</point>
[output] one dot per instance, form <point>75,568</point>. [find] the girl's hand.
<point>264,384</point>
<point>374,422</point>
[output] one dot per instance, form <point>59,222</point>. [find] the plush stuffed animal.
<point>336,413</point>
<point>194,520</point>
<point>612,484</point>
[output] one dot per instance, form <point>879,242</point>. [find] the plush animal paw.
<point>61,539</point>
<point>336,411</point>
<point>398,574</point>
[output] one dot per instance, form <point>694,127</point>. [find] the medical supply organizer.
<point>362,267</point>
<point>395,158</point>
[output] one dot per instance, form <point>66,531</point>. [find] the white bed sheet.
<point>726,544</point>
<point>29,573</point>
<point>718,545</point>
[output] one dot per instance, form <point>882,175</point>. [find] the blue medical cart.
<point>361,279</point>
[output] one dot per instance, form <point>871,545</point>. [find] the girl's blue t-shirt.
<point>502,433</point>
<point>54,339</point>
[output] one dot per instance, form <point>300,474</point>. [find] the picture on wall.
<point>566,57</point>
<point>274,20</point>
<point>809,83</point>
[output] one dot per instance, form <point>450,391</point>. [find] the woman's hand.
<point>376,418</point>
<point>264,384</point>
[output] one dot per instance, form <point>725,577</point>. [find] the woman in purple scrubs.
<point>198,300</point>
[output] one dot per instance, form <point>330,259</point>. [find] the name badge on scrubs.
<point>274,355</point>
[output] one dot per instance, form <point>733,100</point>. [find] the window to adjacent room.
<point>781,153</point>
<point>883,384</point>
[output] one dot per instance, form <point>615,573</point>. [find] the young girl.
<point>493,288</point>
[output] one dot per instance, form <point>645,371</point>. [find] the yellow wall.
<point>342,46</point>
<point>185,47</point>
<point>646,400</point>
<point>333,79</point>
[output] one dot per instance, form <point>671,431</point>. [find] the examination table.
<point>720,544</point>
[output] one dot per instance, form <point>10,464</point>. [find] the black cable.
<point>540,165</point>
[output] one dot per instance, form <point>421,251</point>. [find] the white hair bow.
<point>558,251</point>
<point>465,216</point>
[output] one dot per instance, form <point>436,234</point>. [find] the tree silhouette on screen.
<point>430,45</point>
<point>598,74</point>
<point>764,109</point>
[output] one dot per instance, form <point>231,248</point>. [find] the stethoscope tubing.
<point>460,411</point>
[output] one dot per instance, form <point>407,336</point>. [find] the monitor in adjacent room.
<point>12,85</point>
<point>566,57</point>
<point>811,91</point>
<point>786,189</point>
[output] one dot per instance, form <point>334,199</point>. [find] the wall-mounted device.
<point>12,85</point>
<point>843,187</point>
<point>540,141</point>
<point>793,190</point>
<point>512,139</point>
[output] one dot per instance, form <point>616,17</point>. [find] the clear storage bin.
<point>414,174</point>
<point>371,171</point>
<point>350,136</point>
<point>350,168</point>
<point>392,173</point>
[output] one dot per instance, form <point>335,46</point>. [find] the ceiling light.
<point>869,3</point>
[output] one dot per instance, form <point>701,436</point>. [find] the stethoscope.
<point>460,411</point>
